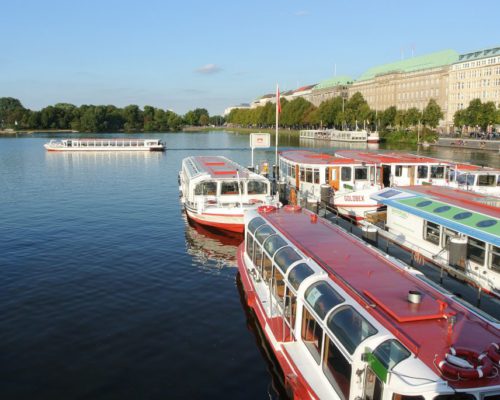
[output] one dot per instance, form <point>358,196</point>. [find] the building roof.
<point>477,55</point>
<point>335,81</point>
<point>427,61</point>
<point>304,88</point>
<point>470,213</point>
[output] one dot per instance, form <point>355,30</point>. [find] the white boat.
<point>451,228</point>
<point>361,135</point>
<point>105,144</point>
<point>346,322</point>
<point>217,192</point>
<point>480,180</point>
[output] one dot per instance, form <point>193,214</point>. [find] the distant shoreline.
<point>30,132</point>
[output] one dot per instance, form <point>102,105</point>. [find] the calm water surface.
<point>107,292</point>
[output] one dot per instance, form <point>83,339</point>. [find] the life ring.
<point>293,208</point>
<point>466,364</point>
<point>494,353</point>
<point>266,209</point>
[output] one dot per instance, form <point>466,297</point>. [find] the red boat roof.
<point>461,198</point>
<point>221,167</point>
<point>311,157</point>
<point>388,158</point>
<point>382,288</point>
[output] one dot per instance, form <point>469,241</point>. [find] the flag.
<point>278,103</point>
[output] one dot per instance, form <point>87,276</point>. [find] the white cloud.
<point>208,69</point>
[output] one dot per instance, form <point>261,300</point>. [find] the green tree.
<point>432,114</point>
<point>413,116</point>
<point>388,117</point>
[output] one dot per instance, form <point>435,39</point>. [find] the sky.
<point>187,54</point>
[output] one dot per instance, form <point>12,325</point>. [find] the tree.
<point>388,117</point>
<point>204,120</point>
<point>357,110</point>
<point>413,117</point>
<point>432,114</point>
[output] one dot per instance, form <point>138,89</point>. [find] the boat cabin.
<point>460,229</point>
<point>347,322</point>
<point>481,180</point>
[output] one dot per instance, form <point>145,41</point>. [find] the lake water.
<point>107,292</point>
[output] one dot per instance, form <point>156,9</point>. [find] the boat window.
<point>309,175</point>
<point>486,180</point>
<point>345,174</point>
<point>437,172</point>
<point>350,327</point>
<point>498,180</point>
<point>274,243</point>
<point>431,232</point>
<point>312,335</point>
<point>285,257</point>
<point>278,285</point>
<point>293,171</point>
<point>255,223</point>
<point>257,187</point>
<point>316,176</point>
<point>257,257</point>
<point>495,258</point>
<point>475,250</point>
<point>298,274</point>
<point>390,353</point>
<point>267,266</point>
<point>466,179</point>
<point>290,308</point>
<point>422,171</point>
<point>337,369</point>
<point>206,189</point>
<point>250,246</point>
<point>263,232</point>
<point>462,396</point>
<point>398,170</point>
<point>373,386</point>
<point>229,188</point>
<point>447,235</point>
<point>322,298</point>
<point>302,174</point>
<point>361,173</point>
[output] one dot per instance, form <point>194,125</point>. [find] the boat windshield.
<point>465,179</point>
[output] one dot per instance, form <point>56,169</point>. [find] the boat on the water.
<point>361,135</point>
<point>217,192</point>
<point>346,321</point>
<point>450,228</point>
<point>105,144</point>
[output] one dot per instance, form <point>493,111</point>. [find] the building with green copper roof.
<point>332,82</point>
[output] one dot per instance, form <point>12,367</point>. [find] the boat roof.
<point>219,167</point>
<point>382,287</point>
<point>388,158</point>
<point>471,213</point>
<point>312,157</point>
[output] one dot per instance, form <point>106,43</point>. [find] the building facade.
<point>475,75</point>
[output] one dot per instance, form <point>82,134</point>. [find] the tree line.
<point>341,113</point>
<point>100,118</point>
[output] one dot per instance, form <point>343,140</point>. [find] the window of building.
<point>431,232</point>
<point>337,369</point>
<point>345,174</point>
<point>476,250</point>
<point>422,171</point>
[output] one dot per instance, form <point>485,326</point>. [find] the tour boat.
<point>351,182</point>
<point>347,322</point>
<point>217,192</point>
<point>341,136</point>
<point>451,228</point>
<point>105,144</point>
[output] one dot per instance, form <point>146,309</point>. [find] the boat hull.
<point>218,219</point>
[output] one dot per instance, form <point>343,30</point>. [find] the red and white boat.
<point>217,192</point>
<point>347,322</point>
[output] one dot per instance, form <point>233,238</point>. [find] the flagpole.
<point>277,113</point>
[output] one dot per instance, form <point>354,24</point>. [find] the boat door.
<point>373,389</point>
<point>411,173</point>
<point>334,177</point>
<point>386,175</point>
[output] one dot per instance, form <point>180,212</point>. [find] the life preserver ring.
<point>466,364</point>
<point>494,353</point>
<point>266,209</point>
<point>294,208</point>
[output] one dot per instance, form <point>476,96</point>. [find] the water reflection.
<point>100,157</point>
<point>211,249</point>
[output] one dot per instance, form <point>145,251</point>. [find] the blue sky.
<point>181,55</point>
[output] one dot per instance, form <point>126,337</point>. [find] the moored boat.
<point>105,144</point>
<point>217,192</point>
<point>361,135</point>
<point>347,322</point>
<point>451,228</point>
